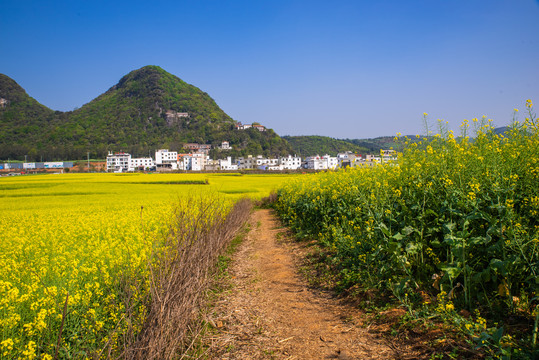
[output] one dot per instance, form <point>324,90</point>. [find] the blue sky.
<point>345,68</point>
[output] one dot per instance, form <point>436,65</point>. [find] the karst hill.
<point>147,109</point>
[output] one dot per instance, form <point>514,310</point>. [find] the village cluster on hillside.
<point>198,159</point>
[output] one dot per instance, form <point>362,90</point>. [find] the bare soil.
<point>270,312</point>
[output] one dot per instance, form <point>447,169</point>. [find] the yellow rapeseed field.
<point>75,249</point>
<point>453,218</point>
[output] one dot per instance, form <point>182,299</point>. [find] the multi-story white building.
<point>322,162</point>
<point>118,162</point>
<point>246,163</point>
<point>264,164</point>
<point>316,163</point>
<point>141,163</point>
<point>198,161</point>
<point>227,164</point>
<point>193,161</point>
<point>184,161</point>
<point>290,162</point>
<point>165,158</point>
<point>333,162</point>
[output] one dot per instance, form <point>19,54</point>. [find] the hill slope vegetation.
<point>320,145</point>
<point>149,108</point>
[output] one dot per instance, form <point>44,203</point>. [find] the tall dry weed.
<point>180,273</point>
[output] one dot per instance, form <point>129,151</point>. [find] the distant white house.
<point>141,163</point>
<point>118,162</point>
<point>322,162</point>
<point>316,163</point>
<point>198,161</point>
<point>248,162</point>
<point>290,162</point>
<point>265,163</point>
<point>193,161</point>
<point>240,126</point>
<point>260,162</point>
<point>227,164</point>
<point>225,145</point>
<point>121,162</point>
<point>165,158</point>
<point>333,162</point>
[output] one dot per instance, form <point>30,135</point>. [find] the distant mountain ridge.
<point>147,109</point>
<point>311,145</point>
<point>320,145</point>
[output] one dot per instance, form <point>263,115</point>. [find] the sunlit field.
<point>75,250</point>
<point>450,228</point>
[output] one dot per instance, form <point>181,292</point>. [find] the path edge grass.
<point>220,282</point>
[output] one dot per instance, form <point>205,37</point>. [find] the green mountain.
<point>313,145</point>
<point>148,109</point>
<point>22,119</point>
<point>374,145</point>
<point>320,145</point>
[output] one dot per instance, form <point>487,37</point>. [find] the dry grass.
<point>180,276</point>
<point>268,201</point>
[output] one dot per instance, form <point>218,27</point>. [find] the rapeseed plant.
<point>462,207</point>
<point>84,241</point>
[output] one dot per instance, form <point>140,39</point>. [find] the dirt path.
<point>271,313</point>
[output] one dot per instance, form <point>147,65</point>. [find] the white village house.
<point>290,162</point>
<point>199,160</point>
<point>227,164</point>
<point>325,162</point>
<point>120,162</point>
<point>166,159</point>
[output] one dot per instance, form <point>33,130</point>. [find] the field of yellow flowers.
<point>74,253</point>
<point>456,218</point>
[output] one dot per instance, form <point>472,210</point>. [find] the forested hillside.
<point>320,145</point>
<point>148,109</point>
<point>22,120</point>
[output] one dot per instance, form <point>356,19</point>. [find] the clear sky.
<point>343,68</point>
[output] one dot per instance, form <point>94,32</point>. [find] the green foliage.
<point>131,116</point>
<point>21,120</point>
<point>319,145</point>
<point>460,213</point>
<point>376,144</point>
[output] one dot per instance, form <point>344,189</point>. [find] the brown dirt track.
<point>271,313</point>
